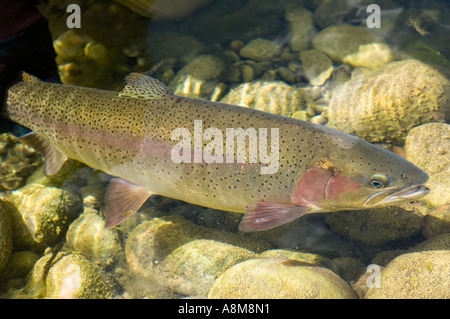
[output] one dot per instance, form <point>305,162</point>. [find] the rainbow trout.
<point>272,168</point>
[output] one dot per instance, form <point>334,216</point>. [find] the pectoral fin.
<point>54,159</point>
<point>266,215</point>
<point>122,199</point>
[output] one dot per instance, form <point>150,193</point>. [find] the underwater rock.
<point>287,75</point>
<point>151,241</point>
<point>353,45</point>
<point>383,105</point>
<point>71,276</point>
<point>88,236</point>
<point>438,242</point>
<point>420,275</point>
<point>41,215</point>
<point>70,45</point>
<point>385,257</point>
<point>347,268</point>
<point>225,21</point>
<point>274,278</point>
<point>17,162</point>
<point>301,27</point>
<point>191,269</point>
<point>197,78</point>
<point>437,221</point>
<point>421,51</point>
<point>260,50</point>
<point>377,226</point>
<point>204,67</point>
<point>331,12</point>
<point>248,73</point>
<point>103,50</point>
<point>303,257</point>
<point>317,66</point>
<point>274,97</point>
<point>428,146</point>
<point>163,9</point>
<point>19,265</point>
<point>5,236</point>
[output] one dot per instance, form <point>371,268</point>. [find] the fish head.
<point>364,176</point>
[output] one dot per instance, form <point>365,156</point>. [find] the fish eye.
<point>379,181</point>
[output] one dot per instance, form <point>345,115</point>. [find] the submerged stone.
<point>279,278</point>
<point>260,50</point>
<point>353,45</point>
<point>191,269</point>
<point>419,275</point>
<point>418,93</point>
<point>41,215</point>
<point>428,146</point>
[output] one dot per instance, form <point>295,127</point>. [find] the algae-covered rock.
<point>41,215</point>
<point>197,78</point>
<point>109,43</point>
<point>191,269</point>
<point>377,226</point>
<point>260,50</point>
<point>274,97</point>
<point>71,276</point>
<point>204,67</point>
<point>416,275</point>
<point>19,265</point>
<point>78,55</point>
<point>150,242</point>
<point>275,278</point>
<point>17,162</point>
<point>353,45</point>
<point>303,257</point>
<point>438,242</point>
<point>301,27</point>
<point>347,268</point>
<point>153,240</point>
<point>383,105</point>
<point>428,146</point>
<point>317,66</point>
<point>437,221</point>
<point>5,236</point>
<point>88,236</point>
<point>331,12</point>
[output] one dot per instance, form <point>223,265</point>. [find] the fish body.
<point>156,142</point>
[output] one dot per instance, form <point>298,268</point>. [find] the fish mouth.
<point>384,198</point>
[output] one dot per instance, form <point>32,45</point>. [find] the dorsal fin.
<point>29,78</point>
<point>54,159</point>
<point>141,86</point>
